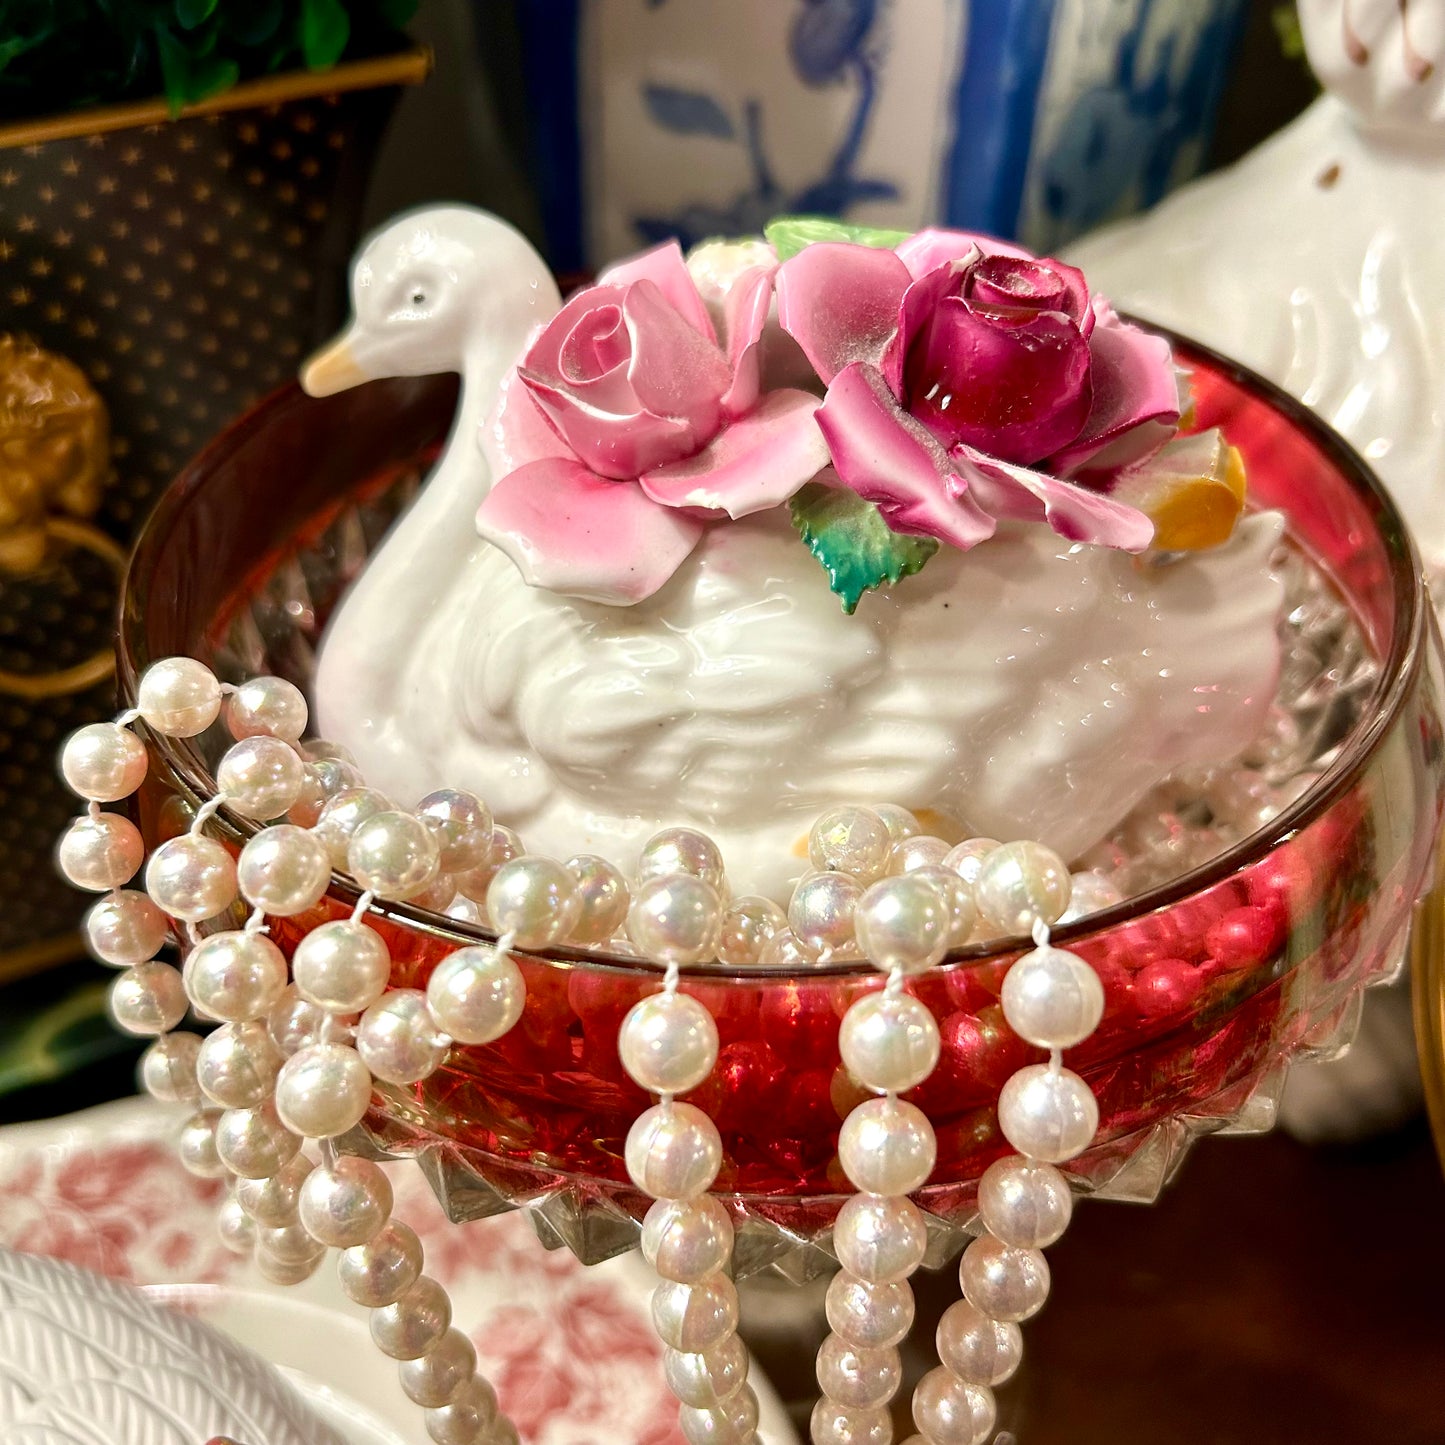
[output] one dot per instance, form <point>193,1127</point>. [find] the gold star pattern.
<point>152,246</point>
<point>141,201</point>
<point>6,250</point>
<point>85,326</point>
<point>55,311</point>
<point>9,177</point>
<point>120,229</point>
<point>185,142</point>
<point>75,283</point>
<point>107,185</point>
<point>130,155</point>
<point>165,174</point>
<point>95,142</point>
<point>25,224</point>
<point>21,295</point>
<point>46,194</point>
<point>70,166</point>
<point>41,267</point>
<point>84,211</point>
<point>63,238</point>
<point>97,256</point>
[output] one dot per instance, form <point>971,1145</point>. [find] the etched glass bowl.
<point>1261,954</point>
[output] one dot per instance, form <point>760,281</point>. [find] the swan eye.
<point>418,297</point>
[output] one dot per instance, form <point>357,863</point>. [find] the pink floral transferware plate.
<point>570,1349</point>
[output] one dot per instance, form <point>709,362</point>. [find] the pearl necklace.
<point>298,1048</point>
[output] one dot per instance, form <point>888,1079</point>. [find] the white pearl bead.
<point>236,1065</point>
<point>1020,882</point>
<point>235,975</point>
<point>103,762</point>
<point>889,1042</point>
<point>1052,998</point>
<point>707,1379</point>
<point>1047,1115</point>
<point>681,850</point>
<point>918,852</point>
<point>343,966</point>
<point>260,777</point>
<point>254,1142</point>
<point>782,953</point>
<point>168,1069</point>
<point>880,1238</point>
<point>1090,893</point>
<point>197,1145</point>
<point>734,1422</point>
<point>858,1377</point>
<point>871,1316</point>
<point>850,840</point>
<point>192,877</point>
<point>415,1321</point>
<point>126,927</point>
<point>474,883</point>
<point>695,1317</point>
<point>285,1272</point>
<point>341,816</point>
<point>394,855</point>
<point>178,696</point>
<point>437,1377</point>
<point>977,1348</point>
<point>950,1411</point>
<point>1003,1282</point>
<point>236,1228</point>
<point>476,994</point>
<point>687,1240</point>
<point>603,899</point>
<point>287,1243</point>
<point>99,853</point>
<point>668,1043</point>
<point>470,1417</point>
<point>887,1147</point>
<point>283,870</point>
<point>322,750</point>
<point>534,899</point>
<point>835,1424</point>
<point>266,706</point>
<point>747,925</point>
<point>957,896</point>
<point>323,1091</point>
<point>462,825</point>
<point>903,922</point>
<point>383,1269</point>
<point>966,858</point>
<point>821,912</point>
<point>464,910</point>
<point>294,1023</point>
<point>675,919</point>
<point>148,998</point>
<point>345,1203</point>
<point>275,1199</point>
<point>900,822</point>
<point>397,1039</point>
<point>1024,1203</point>
<point>673,1151</point>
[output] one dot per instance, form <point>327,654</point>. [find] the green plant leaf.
<point>789,234</point>
<point>191,13</point>
<point>857,548</point>
<point>325,29</point>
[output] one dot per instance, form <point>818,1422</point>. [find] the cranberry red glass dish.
<point>1213,982</point>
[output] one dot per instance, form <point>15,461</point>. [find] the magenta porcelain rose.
<point>629,426</point>
<point>969,382</point>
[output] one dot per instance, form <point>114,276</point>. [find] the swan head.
<point>436,290</point>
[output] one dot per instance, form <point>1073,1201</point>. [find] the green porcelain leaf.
<point>789,234</point>
<point>856,547</point>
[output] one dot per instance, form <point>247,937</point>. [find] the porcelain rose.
<point>629,426</point>
<point>970,382</point>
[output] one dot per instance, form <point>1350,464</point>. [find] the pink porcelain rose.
<point>970,382</point>
<point>629,426</point>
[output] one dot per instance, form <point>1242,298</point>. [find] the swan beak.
<point>334,368</point>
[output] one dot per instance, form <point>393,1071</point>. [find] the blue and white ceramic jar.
<point>1034,118</point>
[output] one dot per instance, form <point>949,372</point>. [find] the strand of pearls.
<point>668,1044</point>
<point>1053,1000</point>
<point>291,1060</point>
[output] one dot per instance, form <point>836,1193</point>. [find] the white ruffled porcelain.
<point>1319,259</point>
<point>84,1360</point>
<point>1027,688</point>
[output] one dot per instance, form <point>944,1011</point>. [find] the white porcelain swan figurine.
<point>1027,688</point>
